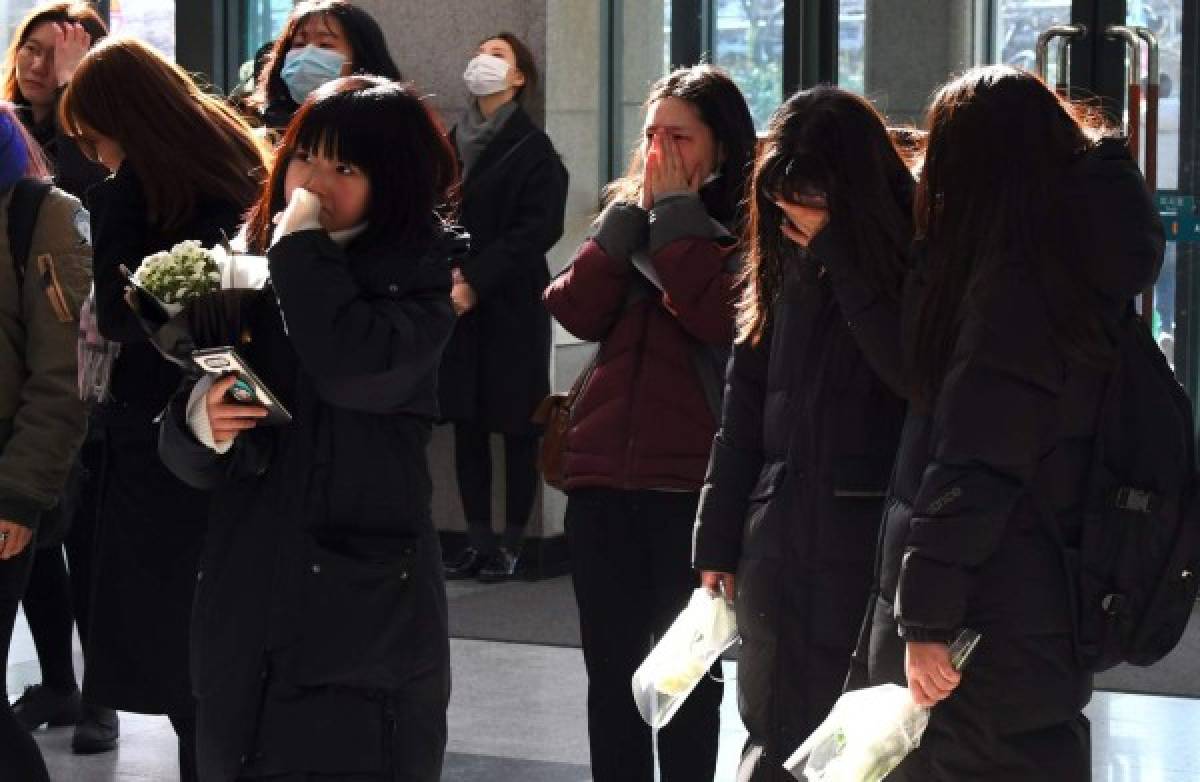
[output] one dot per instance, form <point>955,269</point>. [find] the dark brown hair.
<point>181,143</point>
<point>722,107</point>
<point>387,130</point>
<point>525,62</point>
<point>826,142</point>
<point>60,12</point>
<point>1000,144</point>
<point>371,55</point>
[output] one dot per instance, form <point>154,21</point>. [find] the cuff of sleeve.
<point>926,635</point>
<point>197,416</point>
<point>931,596</point>
<point>682,216</point>
<point>620,229</point>
<point>21,510</point>
<point>854,294</point>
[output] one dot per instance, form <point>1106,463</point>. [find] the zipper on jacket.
<point>251,753</point>
<point>638,360</point>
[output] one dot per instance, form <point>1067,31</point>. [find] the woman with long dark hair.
<point>790,513</point>
<point>1036,234</point>
<point>322,40</point>
<point>319,639</point>
<point>46,47</point>
<point>497,367</point>
<point>184,166</point>
<point>655,286</point>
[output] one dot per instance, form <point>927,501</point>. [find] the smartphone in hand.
<point>247,389</point>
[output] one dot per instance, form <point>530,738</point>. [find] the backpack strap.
<point>27,197</point>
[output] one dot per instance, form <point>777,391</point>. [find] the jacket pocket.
<point>357,625</point>
<point>759,533</point>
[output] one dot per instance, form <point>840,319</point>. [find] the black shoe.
<point>41,705</point>
<point>465,564</point>
<point>500,566</point>
<point>98,731</point>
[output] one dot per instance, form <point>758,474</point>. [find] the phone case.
<point>248,389</point>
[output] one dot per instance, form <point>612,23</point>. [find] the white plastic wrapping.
<point>870,731</point>
<point>683,656</point>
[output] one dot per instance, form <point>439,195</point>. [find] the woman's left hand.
<point>671,174</point>
<point>931,675</point>
<point>71,43</point>
<point>462,295</point>
<point>15,538</point>
<point>802,223</point>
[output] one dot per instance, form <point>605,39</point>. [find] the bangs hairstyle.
<point>722,108</point>
<point>826,143</point>
<point>62,13</point>
<point>389,132</point>
<point>362,32</point>
<point>999,147</point>
<point>525,62</point>
<point>182,144</point>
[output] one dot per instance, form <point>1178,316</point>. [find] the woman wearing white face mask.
<point>322,40</point>
<point>496,369</point>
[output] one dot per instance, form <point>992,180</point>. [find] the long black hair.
<point>366,39</point>
<point>826,141</point>
<point>999,148</point>
<point>390,132</point>
<point>723,109</point>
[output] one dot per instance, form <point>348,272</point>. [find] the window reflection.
<point>749,44</point>
<point>852,48</point>
<point>153,21</point>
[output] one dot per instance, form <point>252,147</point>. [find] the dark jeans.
<point>57,596</point>
<point>631,565</point>
<point>473,465</point>
<point>19,754</point>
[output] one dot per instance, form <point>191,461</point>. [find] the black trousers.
<point>473,465</point>
<point>20,757</point>
<point>59,596</point>
<point>631,566</point>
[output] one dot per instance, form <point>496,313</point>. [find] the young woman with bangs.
<point>789,516</point>
<point>319,640</point>
<point>322,40</point>
<point>184,166</point>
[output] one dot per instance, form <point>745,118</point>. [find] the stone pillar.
<point>912,48</point>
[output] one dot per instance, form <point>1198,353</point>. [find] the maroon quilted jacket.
<point>643,420</point>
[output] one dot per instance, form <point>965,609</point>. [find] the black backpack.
<point>1140,546</point>
<point>27,197</point>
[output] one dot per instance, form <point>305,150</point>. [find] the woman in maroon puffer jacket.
<point>655,285</point>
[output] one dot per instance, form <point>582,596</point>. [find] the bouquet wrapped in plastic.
<point>185,272</point>
<point>683,656</point>
<point>870,731</point>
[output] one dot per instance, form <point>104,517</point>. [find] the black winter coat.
<point>319,638</point>
<point>1004,453</point>
<point>497,367</point>
<point>150,524</point>
<point>73,172</point>
<point>795,489</point>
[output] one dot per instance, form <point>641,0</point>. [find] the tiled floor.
<point>518,713</point>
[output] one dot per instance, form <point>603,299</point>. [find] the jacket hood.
<point>1112,223</point>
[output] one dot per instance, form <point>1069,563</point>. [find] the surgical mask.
<point>306,69</point>
<point>486,74</point>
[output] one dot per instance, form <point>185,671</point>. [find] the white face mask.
<point>486,74</point>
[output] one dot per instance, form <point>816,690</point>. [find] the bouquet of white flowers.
<point>870,731</point>
<point>701,633</point>
<point>187,271</point>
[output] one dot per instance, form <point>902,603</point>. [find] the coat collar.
<point>516,128</point>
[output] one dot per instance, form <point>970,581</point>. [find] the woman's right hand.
<point>71,43</point>
<point>802,222</point>
<point>716,582</point>
<point>229,419</point>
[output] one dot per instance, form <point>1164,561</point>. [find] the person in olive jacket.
<point>497,367</point>
<point>789,515</point>
<point>1037,237</point>
<point>319,640</point>
<point>184,167</point>
<point>655,285</point>
<point>42,420</point>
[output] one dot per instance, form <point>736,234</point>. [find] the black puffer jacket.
<point>1008,443</point>
<point>319,640</point>
<point>794,493</point>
